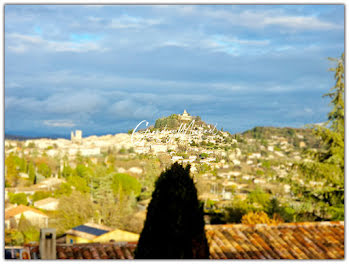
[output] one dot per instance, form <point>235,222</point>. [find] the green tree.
<point>67,171</point>
<point>174,227</point>
<point>126,183</point>
<point>19,198</point>
<point>12,174</point>
<point>333,137</point>
<point>274,207</point>
<point>13,237</point>
<point>234,212</point>
<point>63,189</point>
<point>73,210</point>
<point>31,172</point>
<point>30,233</point>
<point>336,116</point>
<point>44,170</point>
<point>37,196</point>
<point>260,197</point>
<point>328,162</point>
<point>80,184</point>
<point>114,207</point>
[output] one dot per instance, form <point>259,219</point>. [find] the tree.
<point>333,137</point>
<point>30,233</point>
<point>44,170</point>
<point>74,210</point>
<point>260,197</point>
<point>174,227</point>
<point>39,195</point>
<point>13,237</point>
<point>336,116</point>
<point>287,213</point>
<point>11,172</point>
<point>31,172</point>
<point>126,183</point>
<point>328,163</point>
<point>63,189</point>
<point>115,204</point>
<point>80,184</point>
<point>19,198</point>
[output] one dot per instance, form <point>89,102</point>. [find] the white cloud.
<point>59,123</point>
<point>308,110</point>
<point>131,109</point>
<point>129,22</point>
<point>119,83</point>
<point>79,102</point>
<point>20,43</point>
<point>299,22</point>
<point>13,85</point>
<point>231,45</point>
<point>258,19</point>
<point>29,104</point>
<point>94,19</point>
<point>87,102</point>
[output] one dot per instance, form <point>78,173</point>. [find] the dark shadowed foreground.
<point>174,227</point>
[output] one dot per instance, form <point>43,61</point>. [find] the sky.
<point>104,69</point>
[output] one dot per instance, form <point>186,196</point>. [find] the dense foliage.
<point>288,133</point>
<point>171,122</point>
<point>328,163</point>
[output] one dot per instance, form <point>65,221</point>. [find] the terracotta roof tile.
<point>119,250</point>
<point>309,240</point>
<point>316,240</point>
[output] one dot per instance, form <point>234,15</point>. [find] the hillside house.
<point>49,204</point>
<point>34,216</point>
<point>90,232</point>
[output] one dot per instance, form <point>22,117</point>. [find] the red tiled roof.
<point>118,250</point>
<point>19,210</point>
<point>309,240</point>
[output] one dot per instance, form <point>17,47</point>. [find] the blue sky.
<point>103,69</point>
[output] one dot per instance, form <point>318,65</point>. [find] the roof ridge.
<point>330,223</point>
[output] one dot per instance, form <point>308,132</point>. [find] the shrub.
<point>260,218</point>
<point>19,198</point>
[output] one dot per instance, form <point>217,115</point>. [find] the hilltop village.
<point>232,172</point>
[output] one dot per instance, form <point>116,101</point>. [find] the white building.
<point>76,137</point>
<point>185,116</point>
<point>47,204</point>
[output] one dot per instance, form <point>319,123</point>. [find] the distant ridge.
<point>22,138</point>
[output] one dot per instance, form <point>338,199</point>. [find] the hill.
<point>292,135</point>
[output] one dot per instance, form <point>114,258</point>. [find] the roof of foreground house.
<point>308,240</point>
<point>116,250</point>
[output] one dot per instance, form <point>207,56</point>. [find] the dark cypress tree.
<point>174,227</point>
